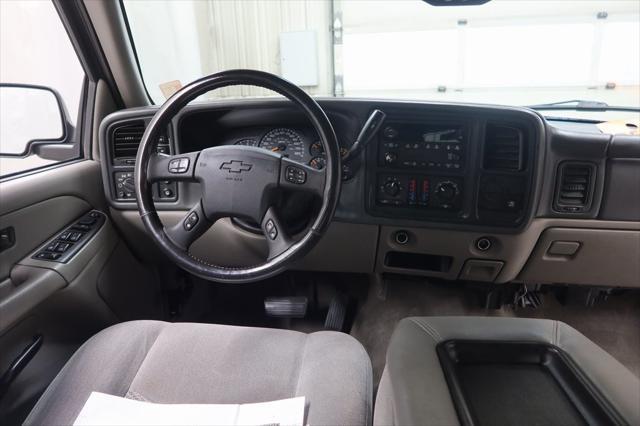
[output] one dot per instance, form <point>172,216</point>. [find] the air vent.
<point>574,187</point>
<point>126,140</point>
<point>503,148</point>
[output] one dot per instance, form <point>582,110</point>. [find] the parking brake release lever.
<point>370,128</point>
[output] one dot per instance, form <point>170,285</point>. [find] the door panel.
<point>58,301</point>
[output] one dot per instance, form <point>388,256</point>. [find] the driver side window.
<point>41,83</point>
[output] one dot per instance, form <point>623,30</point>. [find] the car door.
<point>64,272</point>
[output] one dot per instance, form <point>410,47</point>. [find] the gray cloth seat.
<point>414,391</point>
<point>205,363</point>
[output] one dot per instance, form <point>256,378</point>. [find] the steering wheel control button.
<point>179,165</point>
<point>191,221</point>
<point>271,229</point>
<point>295,175</point>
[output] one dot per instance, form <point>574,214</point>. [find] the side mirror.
<point>31,117</point>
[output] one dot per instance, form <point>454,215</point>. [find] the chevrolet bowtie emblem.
<point>235,166</point>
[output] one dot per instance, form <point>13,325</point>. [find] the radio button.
<point>390,157</point>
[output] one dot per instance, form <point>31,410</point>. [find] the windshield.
<point>505,52</point>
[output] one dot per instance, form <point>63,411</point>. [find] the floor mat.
<point>614,324</point>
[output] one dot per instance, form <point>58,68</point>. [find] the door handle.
<point>7,238</point>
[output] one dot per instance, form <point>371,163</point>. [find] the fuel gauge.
<point>318,163</point>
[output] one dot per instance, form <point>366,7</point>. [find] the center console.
<point>421,166</point>
<point>459,169</point>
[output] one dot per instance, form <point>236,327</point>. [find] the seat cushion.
<point>205,363</point>
<point>413,388</point>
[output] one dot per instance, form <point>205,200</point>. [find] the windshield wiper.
<point>581,105</point>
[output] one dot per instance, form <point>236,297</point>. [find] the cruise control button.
<point>179,165</point>
<point>269,225</point>
<point>295,175</point>
<point>191,221</point>
<point>273,233</point>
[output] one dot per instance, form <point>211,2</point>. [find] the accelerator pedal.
<point>337,313</point>
<point>286,307</point>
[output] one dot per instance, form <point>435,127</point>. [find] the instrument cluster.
<point>295,144</point>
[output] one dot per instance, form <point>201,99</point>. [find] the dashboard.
<point>450,191</point>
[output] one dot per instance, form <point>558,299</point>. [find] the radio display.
<point>437,146</point>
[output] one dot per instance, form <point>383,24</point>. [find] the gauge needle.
<point>275,149</point>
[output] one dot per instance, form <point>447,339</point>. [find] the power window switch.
<point>62,247</point>
<point>52,246</point>
<point>48,256</point>
<point>75,236</point>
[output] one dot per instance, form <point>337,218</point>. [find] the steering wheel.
<point>236,181</point>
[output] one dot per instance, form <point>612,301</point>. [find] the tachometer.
<point>288,142</point>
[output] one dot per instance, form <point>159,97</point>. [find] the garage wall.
<point>228,34</point>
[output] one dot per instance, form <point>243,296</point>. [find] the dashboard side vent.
<point>503,148</point>
<point>574,187</point>
<point>126,140</point>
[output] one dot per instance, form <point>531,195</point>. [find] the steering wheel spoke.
<point>278,239</point>
<point>190,228</point>
<point>300,177</point>
<point>172,167</point>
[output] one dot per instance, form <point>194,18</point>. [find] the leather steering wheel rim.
<point>144,165</point>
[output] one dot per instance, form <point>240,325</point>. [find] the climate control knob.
<point>446,191</point>
<point>391,187</point>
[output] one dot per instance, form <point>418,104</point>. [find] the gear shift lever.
<point>371,126</point>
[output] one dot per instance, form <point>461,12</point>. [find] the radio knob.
<point>446,191</point>
<point>389,132</point>
<point>391,187</point>
<point>390,157</point>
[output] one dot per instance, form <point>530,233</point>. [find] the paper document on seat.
<point>103,409</point>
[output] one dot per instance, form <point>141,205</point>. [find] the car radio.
<point>421,166</point>
<point>425,147</point>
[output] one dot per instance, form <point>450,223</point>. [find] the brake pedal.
<point>337,313</point>
<point>286,307</point>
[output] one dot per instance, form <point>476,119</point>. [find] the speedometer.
<point>288,142</point>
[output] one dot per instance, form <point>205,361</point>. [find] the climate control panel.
<point>419,191</point>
